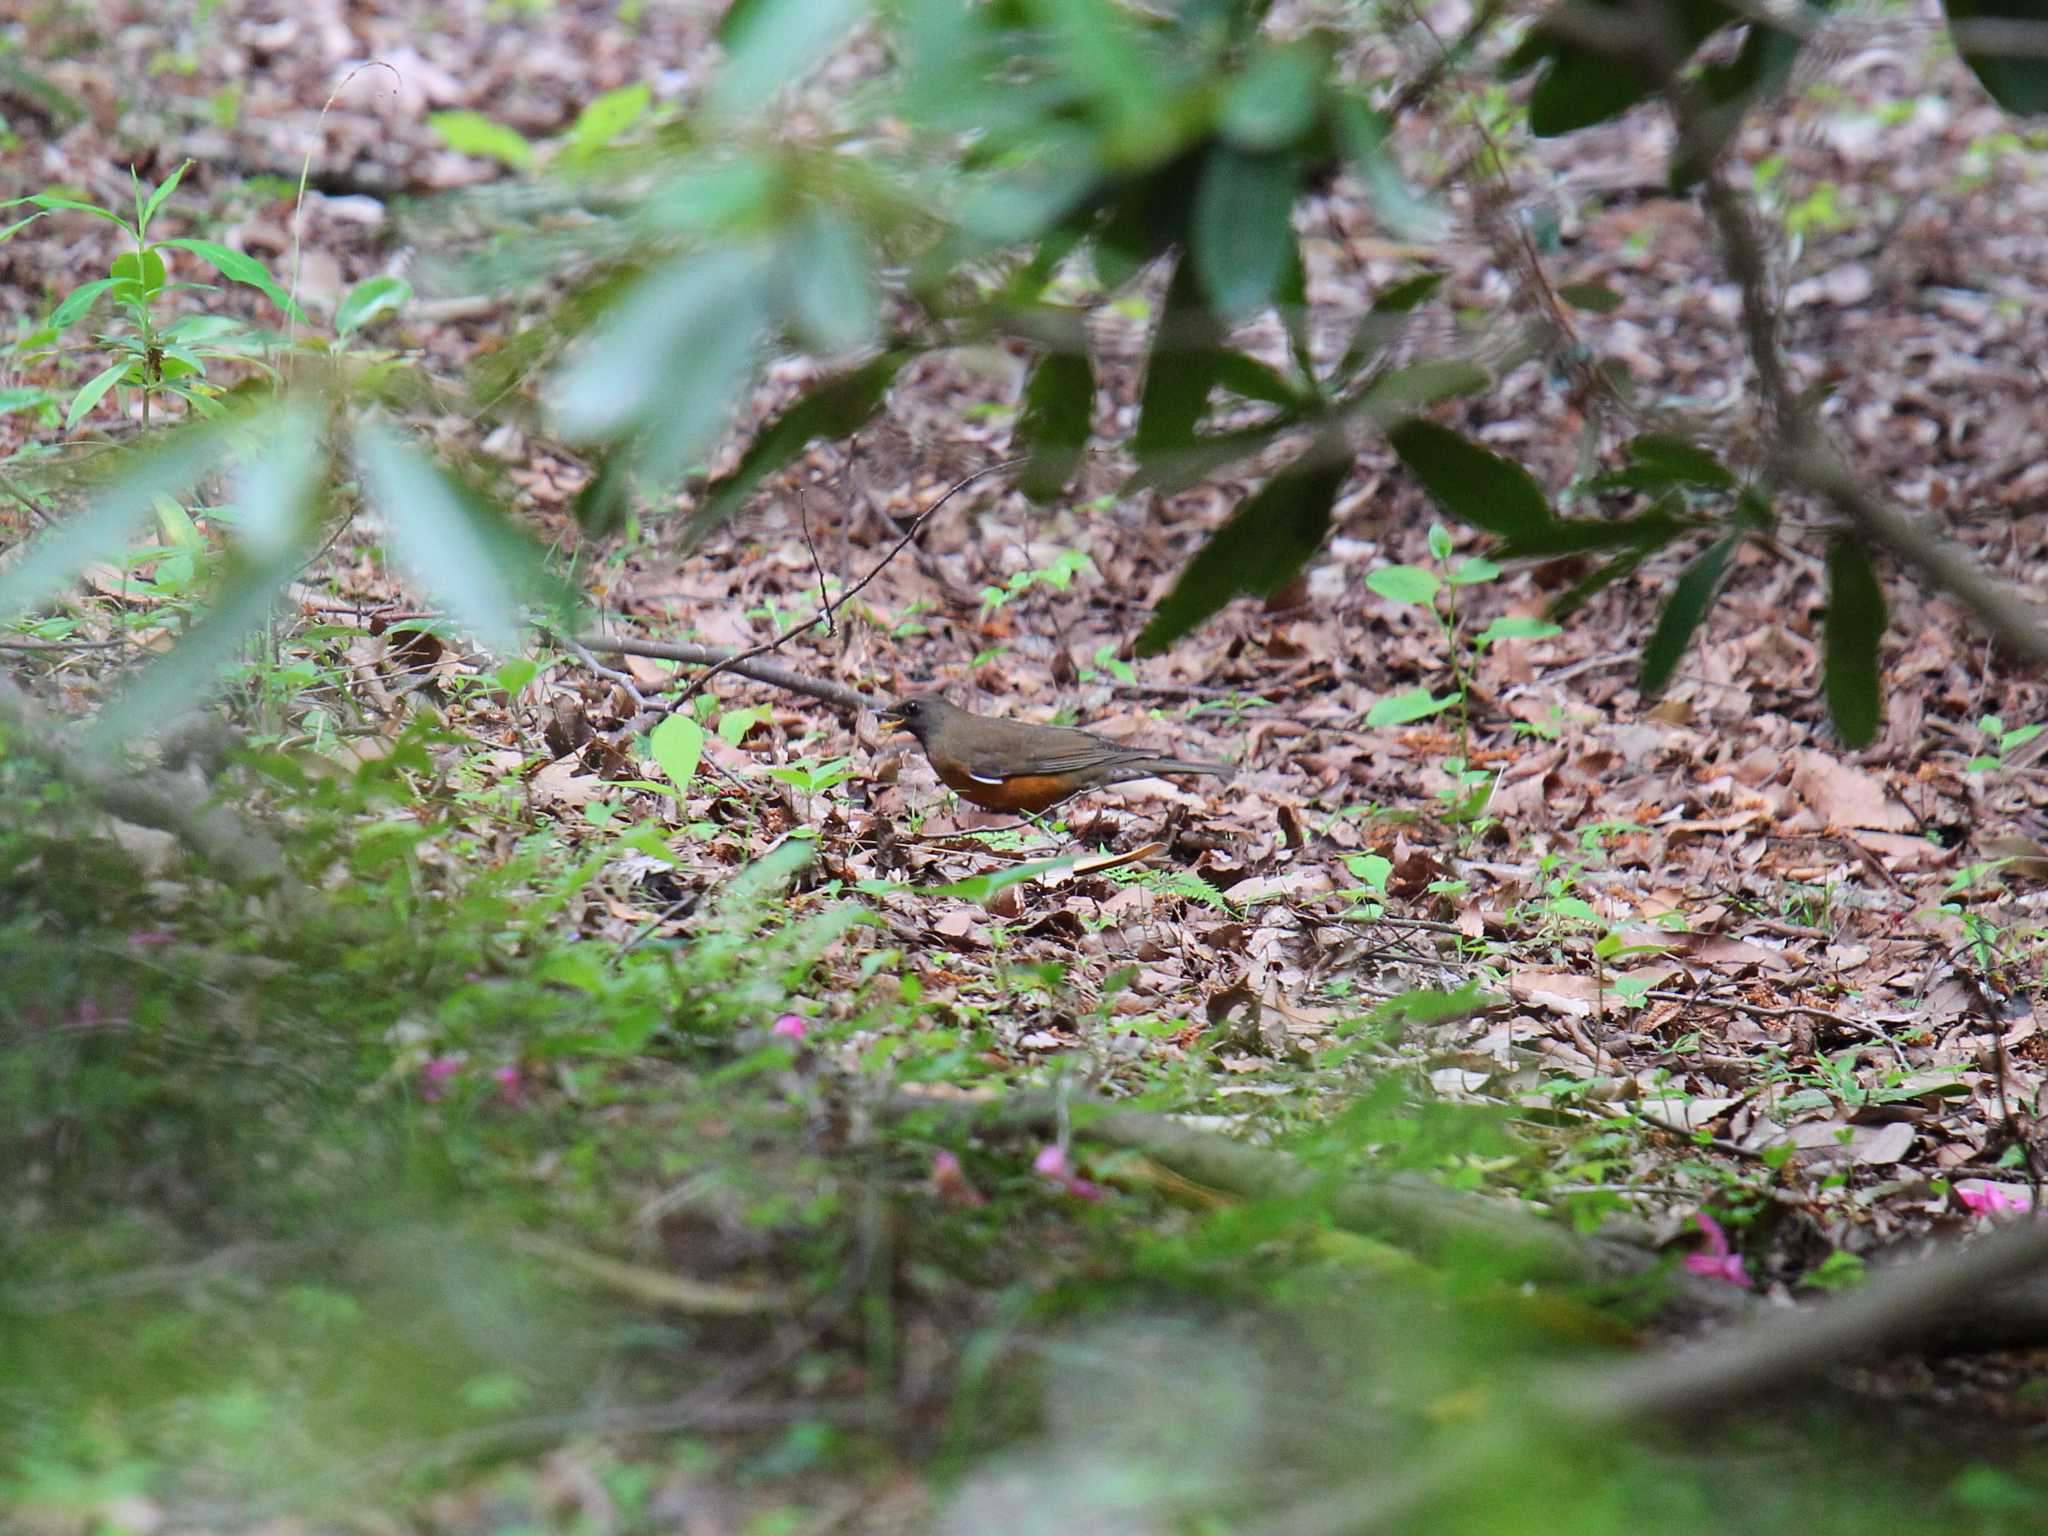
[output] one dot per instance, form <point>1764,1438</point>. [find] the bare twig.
<point>13,488</point>
<point>581,652</point>
<point>25,643</point>
<point>772,673</point>
<point>803,513</point>
<point>824,614</point>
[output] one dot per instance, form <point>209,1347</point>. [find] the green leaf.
<point>279,481</point>
<point>678,745</point>
<point>1263,544</point>
<point>1594,298</point>
<point>1407,708</point>
<point>1683,613</point>
<point>834,410</point>
<point>78,301</point>
<point>55,200</point>
<point>1852,630</point>
<point>1585,535</point>
<point>734,724</point>
<point>1180,372</point>
<point>1275,99</point>
<point>156,199</point>
<point>1473,570</point>
<point>369,300</point>
<point>1579,87</point>
<point>1242,227</point>
<point>166,468</point>
<point>1486,490</point>
<point>238,268</point>
<point>1408,584</point>
<point>984,888</point>
<point>1059,408</point>
<point>609,115</point>
<point>1292,303</point>
<point>460,549</point>
<point>25,397</point>
<point>471,133</point>
<point>1657,460</point>
<point>1582,591</point>
<point>1382,323</point>
<point>672,356</point>
<point>833,299</point>
<point>769,43</point>
<point>1517,627</point>
<point>137,274</point>
<point>1401,297</point>
<point>93,391</point>
<point>1205,455</point>
<point>517,673</point>
<point>713,194</point>
<point>1247,376</point>
<point>1398,391</point>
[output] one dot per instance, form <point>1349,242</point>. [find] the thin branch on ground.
<point>772,673</point>
<point>13,487</point>
<point>803,513</point>
<point>234,846</point>
<point>1897,1308</point>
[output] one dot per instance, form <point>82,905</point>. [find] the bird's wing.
<point>1041,749</point>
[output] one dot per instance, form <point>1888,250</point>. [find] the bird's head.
<point>916,715</point>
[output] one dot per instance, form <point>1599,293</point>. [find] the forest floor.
<point>1726,965</point>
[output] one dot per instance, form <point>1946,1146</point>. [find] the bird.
<point>1017,767</point>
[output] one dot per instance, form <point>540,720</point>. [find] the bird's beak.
<point>892,717</point>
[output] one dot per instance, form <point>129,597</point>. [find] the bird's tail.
<point>1151,765</point>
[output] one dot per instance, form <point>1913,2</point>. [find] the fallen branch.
<point>1921,1303</point>
<point>772,673</point>
<point>237,848</point>
<point>1916,1303</point>
<point>1427,1219</point>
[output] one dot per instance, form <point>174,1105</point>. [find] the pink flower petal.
<point>788,1027</point>
<point>1719,1261</point>
<point>508,1081</point>
<point>1051,1162</point>
<point>1992,1199</point>
<point>435,1074</point>
<point>1726,1267</point>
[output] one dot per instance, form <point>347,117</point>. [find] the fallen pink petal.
<point>1719,1261</point>
<point>508,1081</point>
<point>789,1027</point>
<point>1993,1199</point>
